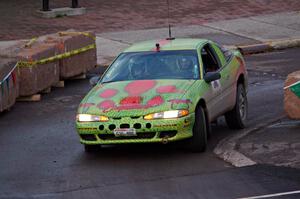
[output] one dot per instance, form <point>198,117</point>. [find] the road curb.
<point>269,46</point>
<point>255,48</point>
<point>226,148</point>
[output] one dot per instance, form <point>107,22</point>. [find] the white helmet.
<point>185,63</point>
<point>137,68</point>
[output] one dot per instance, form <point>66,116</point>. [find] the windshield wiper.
<point>107,82</point>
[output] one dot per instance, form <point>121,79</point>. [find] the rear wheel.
<point>236,118</point>
<point>92,148</point>
<point>199,140</point>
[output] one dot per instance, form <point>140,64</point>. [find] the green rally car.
<point>164,91</point>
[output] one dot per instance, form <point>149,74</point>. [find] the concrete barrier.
<point>9,83</point>
<point>291,99</point>
<point>28,67</point>
<point>84,48</point>
<point>10,49</point>
<point>37,77</point>
<point>43,61</point>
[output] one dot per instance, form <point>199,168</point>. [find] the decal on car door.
<point>216,85</point>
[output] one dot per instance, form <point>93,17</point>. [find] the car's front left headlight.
<point>91,118</point>
<point>167,114</point>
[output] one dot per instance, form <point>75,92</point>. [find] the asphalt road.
<point>40,155</point>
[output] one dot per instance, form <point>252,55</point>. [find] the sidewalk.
<point>277,144</point>
<point>238,32</point>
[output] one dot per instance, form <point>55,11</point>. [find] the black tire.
<point>236,118</point>
<point>92,148</point>
<point>208,130</point>
<point>198,142</point>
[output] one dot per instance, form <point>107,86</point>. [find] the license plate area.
<point>125,132</point>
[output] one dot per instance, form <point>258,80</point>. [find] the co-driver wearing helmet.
<point>137,69</point>
<point>185,66</point>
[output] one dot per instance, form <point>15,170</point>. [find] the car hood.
<point>136,98</point>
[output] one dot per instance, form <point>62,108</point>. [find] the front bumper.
<point>148,131</point>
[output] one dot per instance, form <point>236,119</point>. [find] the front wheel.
<point>199,140</point>
<point>236,118</point>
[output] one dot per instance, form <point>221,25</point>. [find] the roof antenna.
<point>170,33</point>
<point>157,47</point>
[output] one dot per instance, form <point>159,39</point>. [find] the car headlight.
<point>91,118</point>
<point>167,114</point>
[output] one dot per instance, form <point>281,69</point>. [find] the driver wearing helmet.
<point>137,69</point>
<point>185,65</point>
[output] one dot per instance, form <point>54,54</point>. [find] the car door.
<point>228,78</point>
<point>210,62</point>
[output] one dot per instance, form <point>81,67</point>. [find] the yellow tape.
<point>56,57</point>
<point>27,45</point>
<point>77,33</point>
<point>60,56</point>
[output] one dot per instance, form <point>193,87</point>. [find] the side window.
<point>209,59</point>
<point>227,53</point>
<point>220,54</point>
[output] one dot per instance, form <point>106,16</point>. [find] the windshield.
<point>179,64</point>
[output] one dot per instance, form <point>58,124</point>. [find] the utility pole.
<point>45,5</point>
<point>75,4</point>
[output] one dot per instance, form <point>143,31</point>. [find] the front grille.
<point>132,117</point>
<point>137,126</point>
<point>147,135</point>
<point>135,117</point>
<point>88,137</point>
<point>112,127</point>
<point>124,126</point>
<point>168,134</point>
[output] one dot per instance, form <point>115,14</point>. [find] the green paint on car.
<point>151,92</point>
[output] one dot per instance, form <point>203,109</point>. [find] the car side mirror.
<point>211,76</point>
<point>94,80</point>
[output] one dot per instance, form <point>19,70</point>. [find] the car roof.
<point>165,44</point>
